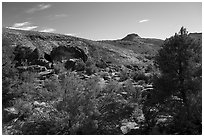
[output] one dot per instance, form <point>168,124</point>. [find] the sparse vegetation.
<point>99,91</point>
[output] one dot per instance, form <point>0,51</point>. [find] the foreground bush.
<point>80,102</point>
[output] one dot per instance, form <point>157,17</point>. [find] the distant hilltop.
<point>131,37</point>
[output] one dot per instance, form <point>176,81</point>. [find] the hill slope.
<point>117,51</point>
<point>131,49</point>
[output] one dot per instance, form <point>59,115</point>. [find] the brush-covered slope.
<point>137,44</point>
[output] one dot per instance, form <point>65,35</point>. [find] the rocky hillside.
<point>133,42</point>
<point>131,49</point>
<point>48,48</point>
<point>41,63</point>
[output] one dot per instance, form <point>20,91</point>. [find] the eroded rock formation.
<point>66,53</point>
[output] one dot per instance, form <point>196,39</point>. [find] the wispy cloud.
<point>48,30</point>
<point>57,16</point>
<point>145,20</point>
<point>23,26</point>
<point>39,8</point>
<point>20,24</point>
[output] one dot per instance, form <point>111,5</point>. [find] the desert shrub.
<point>91,70</point>
<point>149,68</point>
<point>133,93</point>
<point>34,117</point>
<point>79,101</point>
<point>51,90</point>
<point>79,65</point>
<point>137,76</point>
<point>101,64</point>
<point>90,67</point>
<point>104,75</point>
<point>27,91</point>
<point>150,57</point>
<point>39,120</point>
<point>24,108</point>
<point>17,88</point>
<point>124,74</point>
<point>59,67</point>
<point>89,62</point>
<point>113,108</point>
<point>9,73</point>
<point>28,76</point>
<point>9,86</point>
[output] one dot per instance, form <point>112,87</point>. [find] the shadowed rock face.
<point>48,57</point>
<point>24,54</point>
<point>61,53</point>
<point>66,53</point>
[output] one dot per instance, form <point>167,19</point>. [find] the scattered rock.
<point>124,93</point>
<point>33,68</point>
<point>46,73</point>
<point>124,129</point>
<point>12,110</point>
<point>127,127</point>
<point>42,104</point>
<point>44,62</point>
<point>102,83</point>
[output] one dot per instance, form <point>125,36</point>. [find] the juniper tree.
<point>179,61</point>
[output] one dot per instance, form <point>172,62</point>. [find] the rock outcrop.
<point>66,53</point>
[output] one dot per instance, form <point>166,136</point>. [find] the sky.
<point>104,20</point>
